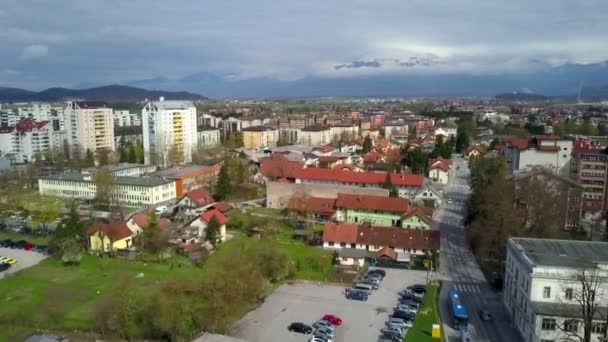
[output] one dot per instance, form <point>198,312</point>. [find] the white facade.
<point>446,131</point>
<point>124,118</point>
<point>26,141</point>
<point>90,126</point>
<point>344,132</point>
<point>128,191</point>
<point>395,129</point>
<point>201,227</point>
<point>439,175</point>
<point>169,126</point>
<point>289,136</point>
<point>208,137</point>
<point>554,155</point>
<point>538,291</point>
<point>315,136</point>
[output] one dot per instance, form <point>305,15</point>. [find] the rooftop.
<point>135,181</point>
<point>180,171</point>
<point>172,104</point>
<point>562,253</point>
<point>258,129</point>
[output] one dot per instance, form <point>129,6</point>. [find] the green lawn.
<point>35,239</point>
<point>54,296</point>
<point>426,317</point>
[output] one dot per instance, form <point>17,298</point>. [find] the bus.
<point>460,314</point>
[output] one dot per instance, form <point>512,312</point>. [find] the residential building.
<point>128,134</point>
<point>445,131</point>
<point>140,221</point>
<point>125,169</point>
<point>26,141</point>
<point>371,238</point>
<point>124,118</point>
<point>208,136</point>
<point>589,166</point>
<point>169,130</point>
<point>316,135</point>
<point>205,119</point>
<point>90,127</point>
<point>398,127</point>
<point>196,199</point>
<point>406,184</point>
<point>109,236</point>
<point>428,196</point>
<point>230,125</point>
<point>316,208</point>
<point>343,132</point>
<point>201,223</point>
<point>40,111</point>
<point>127,191</point>
<point>440,170</point>
<point>192,177</point>
<point>278,166</point>
<point>377,210</point>
<point>289,136</point>
<point>475,151</point>
<point>543,150</point>
<point>541,287</point>
<point>5,165</point>
<point>260,137</point>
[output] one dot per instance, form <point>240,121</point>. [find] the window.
<point>546,292</point>
<point>548,324</point>
<point>598,328</point>
<point>569,294</point>
<point>331,243</point>
<point>571,325</point>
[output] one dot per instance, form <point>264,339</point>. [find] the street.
<point>459,269</point>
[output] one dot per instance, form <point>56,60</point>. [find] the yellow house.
<point>106,237</point>
<point>257,137</point>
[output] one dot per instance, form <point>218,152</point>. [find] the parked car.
<point>333,319</point>
<point>418,288</point>
<point>373,275</point>
<point>374,285</point>
<point>6,243</point>
<point>318,336</point>
<point>29,246</point>
<point>391,331</point>
<point>319,339</point>
<point>409,302</point>
<point>20,244</point>
<point>357,295</point>
<point>377,271</point>
<point>404,315</point>
<point>398,323</point>
<point>384,338</point>
<point>326,331</point>
<point>485,315</point>
<point>323,323</point>
<point>406,308</point>
<point>4,267</point>
<point>409,292</point>
<point>300,328</point>
<point>391,334</point>
<point>161,210</point>
<point>413,297</point>
<point>9,261</point>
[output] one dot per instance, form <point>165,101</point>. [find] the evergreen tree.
<point>388,184</point>
<point>223,186</point>
<point>132,154</point>
<point>213,233</point>
<point>89,158</point>
<point>153,240</point>
<point>69,238</point>
<point>367,144</point>
<point>462,140</point>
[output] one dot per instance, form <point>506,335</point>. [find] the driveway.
<point>308,302</point>
<point>24,259</point>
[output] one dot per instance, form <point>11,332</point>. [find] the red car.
<point>332,319</point>
<point>29,247</point>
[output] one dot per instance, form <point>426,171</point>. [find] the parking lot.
<point>361,321</point>
<point>24,259</point>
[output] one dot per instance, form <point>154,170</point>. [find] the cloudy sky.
<point>75,42</point>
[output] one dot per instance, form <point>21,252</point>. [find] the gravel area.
<point>24,259</point>
<point>307,303</point>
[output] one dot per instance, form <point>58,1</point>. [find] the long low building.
<point>128,191</point>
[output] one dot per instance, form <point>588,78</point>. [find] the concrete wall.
<point>279,194</point>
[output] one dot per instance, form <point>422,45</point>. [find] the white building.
<point>399,128</point>
<point>128,191</point>
<point>208,136</point>
<point>540,289</point>
<point>315,135</point>
<point>26,141</point>
<point>169,126</point>
<point>124,118</point>
<point>344,132</point>
<point>90,126</point>
<point>446,131</point>
<point>551,152</point>
<point>289,136</point>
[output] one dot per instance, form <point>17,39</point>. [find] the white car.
<point>410,292</point>
<point>394,330</point>
<point>404,325</point>
<point>406,308</point>
<point>161,210</point>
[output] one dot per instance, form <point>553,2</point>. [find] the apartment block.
<point>90,126</point>
<point>258,137</point>
<point>26,141</point>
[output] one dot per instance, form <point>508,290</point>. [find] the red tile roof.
<point>398,237</point>
<point>328,159</point>
<point>549,148</point>
<point>440,163</point>
<point>222,206</point>
<point>417,211</point>
<point>518,143</point>
<point>387,252</point>
<point>314,204</point>
<point>369,202</point>
<point>116,230</point>
<point>208,215</point>
<point>345,176</point>
<point>142,219</point>
<point>371,157</point>
<point>499,147</point>
<point>28,125</point>
<point>548,137</point>
<point>278,166</point>
<point>201,197</point>
<point>342,232</point>
<point>478,148</point>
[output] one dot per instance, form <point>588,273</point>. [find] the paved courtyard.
<point>24,259</point>
<point>307,303</point>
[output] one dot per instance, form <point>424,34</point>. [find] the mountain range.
<point>111,93</point>
<point>560,81</point>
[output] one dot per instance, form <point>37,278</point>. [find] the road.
<point>459,269</point>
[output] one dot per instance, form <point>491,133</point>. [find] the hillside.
<point>111,93</point>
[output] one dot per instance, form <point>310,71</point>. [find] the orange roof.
<point>345,176</point>
<point>417,211</point>
<point>222,206</point>
<point>314,204</point>
<point>278,166</point>
<point>398,237</point>
<point>116,230</point>
<point>369,202</point>
<point>200,196</point>
<point>208,215</point>
<point>342,232</point>
<point>387,252</point>
<point>142,219</point>
<point>518,143</point>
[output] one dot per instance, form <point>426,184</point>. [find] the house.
<point>475,151</point>
<point>541,289</point>
<point>445,131</point>
<point>109,236</point>
<point>428,196</point>
<point>318,208</point>
<point>440,170</point>
<point>223,207</point>
<point>354,257</point>
<point>279,166</point>
<point>374,238</point>
<point>202,221</point>
<point>377,210</point>
<point>196,199</point>
<point>416,218</point>
<point>138,222</point>
<point>543,150</point>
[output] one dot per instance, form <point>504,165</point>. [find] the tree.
<point>462,140</point>
<point>388,184</point>
<point>223,186</point>
<point>89,158</point>
<point>367,144</point>
<point>69,238</point>
<point>132,154</point>
<point>105,186</point>
<point>213,231</point>
<point>415,159</point>
<point>154,239</point>
<point>103,156</point>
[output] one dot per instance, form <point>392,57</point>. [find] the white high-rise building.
<point>124,118</point>
<point>90,126</point>
<point>26,141</point>
<point>169,129</point>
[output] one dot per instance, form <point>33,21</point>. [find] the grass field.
<point>426,317</point>
<point>35,239</point>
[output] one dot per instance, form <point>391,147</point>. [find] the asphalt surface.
<point>309,302</point>
<point>24,259</point>
<point>459,269</point>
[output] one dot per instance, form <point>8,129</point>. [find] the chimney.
<point>161,99</point>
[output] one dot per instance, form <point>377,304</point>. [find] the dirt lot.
<point>307,303</point>
<point>24,259</point>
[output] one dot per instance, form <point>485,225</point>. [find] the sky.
<point>47,43</point>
